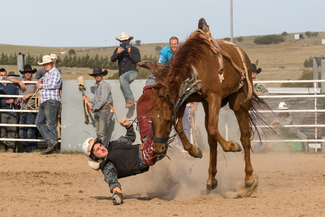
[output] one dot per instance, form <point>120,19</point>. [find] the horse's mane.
<point>193,50</point>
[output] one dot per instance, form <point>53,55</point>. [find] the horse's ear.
<point>154,95</point>
<point>256,63</point>
<point>194,72</point>
<point>146,64</point>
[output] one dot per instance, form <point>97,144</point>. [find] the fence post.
<point>323,74</point>
<point>21,61</point>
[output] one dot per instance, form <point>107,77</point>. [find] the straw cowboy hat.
<point>254,69</point>
<point>124,36</point>
<point>12,73</point>
<point>28,68</point>
<point>46,59</point>
<point>54,57</point>
<point>97,70</point>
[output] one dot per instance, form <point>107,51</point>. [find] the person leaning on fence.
<point>27,102</point>
<point>41,72</point>
<point>99,106</point>
<point>259,89</point>
<point>49,85</point>
<point>116,159</point>
<point>8,117</point>
<point>128,56</point>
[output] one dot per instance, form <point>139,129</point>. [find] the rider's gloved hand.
<point>117,198</point>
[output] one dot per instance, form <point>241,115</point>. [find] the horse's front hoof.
<point>213,185</point>
<point>199,153</point>
<point>239,148</point>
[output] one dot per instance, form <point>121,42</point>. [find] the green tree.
<point>137,43</point>
<point>314,34</point>
<point>157,48</point>
<point>284,34</point>
<point>72,52</point>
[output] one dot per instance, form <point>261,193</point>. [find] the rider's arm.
<point>110,173</point>
<point>130,136</point>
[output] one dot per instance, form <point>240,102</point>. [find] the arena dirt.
<point>290,184</point>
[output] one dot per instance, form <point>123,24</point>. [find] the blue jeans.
<point>151,80</point>
<point>8,132</point>
<point>28,132</point>
<point>125,81</point>
<point>45,121</point>
<point>102,120</point>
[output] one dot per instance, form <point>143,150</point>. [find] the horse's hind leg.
<point>212,182</point>
<point>193,150</point>
<point>243,121</point>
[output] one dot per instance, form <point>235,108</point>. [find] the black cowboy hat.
<point>254,69</point>
<point>97,70</point>
<point>28,68</point>
<point>12,73</point>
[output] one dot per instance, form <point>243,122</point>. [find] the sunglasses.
<point>99,74</point>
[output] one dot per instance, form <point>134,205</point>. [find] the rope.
<point>112,108</point>
<point>37,97</point>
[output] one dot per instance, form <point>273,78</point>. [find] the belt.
<point>106,107</point>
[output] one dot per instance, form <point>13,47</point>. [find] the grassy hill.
<point>290,55</point>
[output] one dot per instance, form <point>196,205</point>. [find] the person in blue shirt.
<point>8,117</point>
<point>165,55</point>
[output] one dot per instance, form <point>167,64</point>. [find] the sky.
<point>96,23</point>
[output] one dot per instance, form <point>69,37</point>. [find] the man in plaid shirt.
<point>49,85</point>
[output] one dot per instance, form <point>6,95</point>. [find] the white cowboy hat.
<point>46,59</point>
<point>283,106</point>
<point>124,36</point>
<point>54,57</point>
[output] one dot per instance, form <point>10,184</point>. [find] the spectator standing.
<point>27,103</point>
<point>8,117</point>
<point>99,106</point>
<point>165,55</point>
<point>128,56</point>
<point>50,102</point>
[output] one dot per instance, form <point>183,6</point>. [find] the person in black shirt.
<point>128,57</point>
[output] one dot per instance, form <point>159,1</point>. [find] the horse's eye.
<point>168,121</point>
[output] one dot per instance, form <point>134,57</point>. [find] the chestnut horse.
<point>229,83</point>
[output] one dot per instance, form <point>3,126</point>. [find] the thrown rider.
<point>118,159</point>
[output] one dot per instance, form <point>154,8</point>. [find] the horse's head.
<point>161,117</point>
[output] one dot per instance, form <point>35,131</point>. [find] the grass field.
<point>290,55</point>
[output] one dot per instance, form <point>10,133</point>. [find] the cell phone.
<point>125,45</point>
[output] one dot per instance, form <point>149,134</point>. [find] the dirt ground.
<point>290,184</point>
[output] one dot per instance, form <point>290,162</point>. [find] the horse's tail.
<point>257,118</point>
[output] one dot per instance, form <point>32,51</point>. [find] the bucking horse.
<point>214,73</point>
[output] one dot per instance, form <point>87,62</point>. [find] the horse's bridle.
<point>159,139</point>
<point>166,138</point>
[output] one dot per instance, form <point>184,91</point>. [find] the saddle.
<point>203,28</point>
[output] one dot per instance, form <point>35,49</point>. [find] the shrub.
<point>240,39</point>
<point>268,39</point>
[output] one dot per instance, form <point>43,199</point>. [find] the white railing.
<point>18,110</point>
<point>315,96</point>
